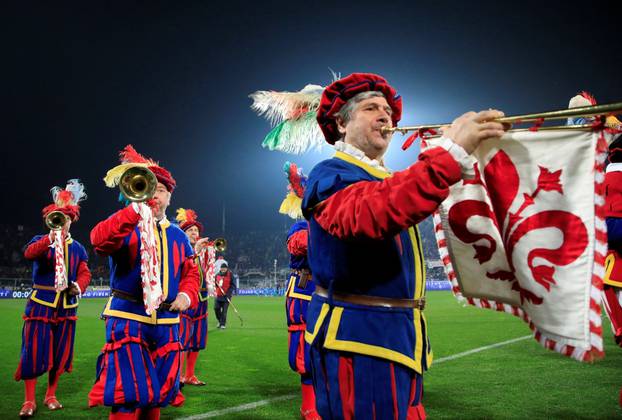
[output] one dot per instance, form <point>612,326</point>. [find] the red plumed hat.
<point>188,218</point>
<point>337,94</point>
<point>129,155</point>
<point>66,200</point>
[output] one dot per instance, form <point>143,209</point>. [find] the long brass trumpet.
<point>138,184</point>
<point>584,111</point>
<point>55,220</point>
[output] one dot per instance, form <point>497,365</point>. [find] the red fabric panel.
<point>346,387</point>
<point>378,209</point>
<point>37,249</point>
<point>83,277</point>
<point>107,236</point>
<point>190,281</point>
<point>613,194</point>
<point>297,243</point>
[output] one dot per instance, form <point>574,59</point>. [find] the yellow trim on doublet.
<point>333,343</point>
<point>418,339</point>
<point>153,319</point>
<point>34,298</point>
<point>163,254</point>
<point>609,261</point>
<point>66,305</point>
<point>290,290</point>
<point>309,337</point>
<point>430,355</point>
<point>373,171</point>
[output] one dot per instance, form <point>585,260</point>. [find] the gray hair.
<point>345,113</point>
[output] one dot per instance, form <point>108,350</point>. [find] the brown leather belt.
<point>42,287</point>
<point>203,290</point>
<point>373,300</point>
<point>131,298</point>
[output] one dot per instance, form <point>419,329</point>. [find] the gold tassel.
<point>291,206</point>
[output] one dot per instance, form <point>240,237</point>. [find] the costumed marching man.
<point>612,288</point>
<point>60,274</point>
<point>223,284</point>
<point>153,277</point>
<point>365,323</point>
<point>193,326</point>
<point>299,289</point>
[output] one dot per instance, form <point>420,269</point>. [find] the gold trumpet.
<point>55,220</point>
<point>220,244</point>
<point>601,111</point>
<point>138,184</point>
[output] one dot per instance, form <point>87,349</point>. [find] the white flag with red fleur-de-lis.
<point>527,235</point>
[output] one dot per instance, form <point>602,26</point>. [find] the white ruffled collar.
<point>354,151</point>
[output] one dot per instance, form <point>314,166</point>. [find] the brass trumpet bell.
<point>55,220</point>
<point>138,184</point>
<point>220,244</point>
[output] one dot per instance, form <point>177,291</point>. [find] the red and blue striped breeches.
<point>298,352</point>
<point>139,365</point>
<point>353,386</point>
<point>47,341</point>
<point>193,328</point>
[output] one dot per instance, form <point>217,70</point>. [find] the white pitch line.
<point>239,408</point>
<point>477,350</point>
<point>260,403</point>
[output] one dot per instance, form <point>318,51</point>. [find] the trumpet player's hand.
<point>181,303</point>
<point>470,129</point>
<point>201,245</point>
<point>73,289</point>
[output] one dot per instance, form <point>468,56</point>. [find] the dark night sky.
<point>82,80</point>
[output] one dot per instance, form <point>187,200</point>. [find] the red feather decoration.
<point>295,180</point>
<point>130,155</point>
<point>589,97</point>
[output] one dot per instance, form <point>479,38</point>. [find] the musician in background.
<point>153,278</point>
<point>193,326</point>
<point>59,274</point>
<point>365,323</point>
<point>612,288</point>
<point>300,287</point>
<point>223,283</point>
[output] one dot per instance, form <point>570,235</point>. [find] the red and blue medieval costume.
<point>613,263</point>
<point>193,326</point>
<point>365,322</point>
<point>51,312</point>
<point>140,363</point>
<point>300,287</point>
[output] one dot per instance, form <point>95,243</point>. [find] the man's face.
<point>363,129</point>
<point>193,234</point>
<point>223,270</point>
<point>162,198</point>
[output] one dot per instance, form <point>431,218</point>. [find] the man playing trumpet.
<point>153,277</point>
<point>365,323</point>
<point>60,274</point>
<point>193,327</point>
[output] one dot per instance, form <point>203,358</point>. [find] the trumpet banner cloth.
<point>527,235</point>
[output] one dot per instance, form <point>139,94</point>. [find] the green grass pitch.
<point>247,364</point>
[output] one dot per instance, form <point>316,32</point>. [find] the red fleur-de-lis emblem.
<point>501,181</point>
